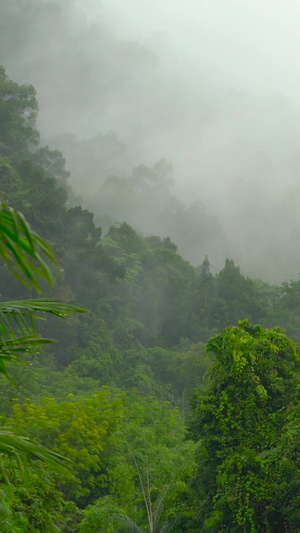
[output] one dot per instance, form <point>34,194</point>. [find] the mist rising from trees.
<point>118,90</point>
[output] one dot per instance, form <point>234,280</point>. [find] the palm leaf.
<point>12,349</point>
<point>17,327</point>
<point>134,528</point>
<point>14,445</point>
<point>159,507</point>
<point>20,248</point>
<point>43,305</point>
<point>20,313</point>
<point>169,526</point>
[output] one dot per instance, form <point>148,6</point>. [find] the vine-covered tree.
<point>246,427</point>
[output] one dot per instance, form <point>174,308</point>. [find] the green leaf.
<point>13,445</point>
<point>20,248</point>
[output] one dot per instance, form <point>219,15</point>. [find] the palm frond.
<point>159,507</point>
<point>20,248</point>
<point>130,523</point>
<point>12,349</point>
<point>169,526</point>
<point>19,315</point>
<point>14,445</point>
<point>17,327</point>
<point>42,305</point>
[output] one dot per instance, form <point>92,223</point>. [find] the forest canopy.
<point>176,396</point>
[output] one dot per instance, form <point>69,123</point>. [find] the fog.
<point>212,86</point>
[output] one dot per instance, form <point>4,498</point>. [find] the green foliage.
<point>18,112</point>
<point>13,446</point>
<point>36,506</point>
<point>52,161</point>
<point>147,472</point>
<point>151,312</point>
<point>239,423</point>
<point>20,248</point>
<point>238,293</point>
<point>44,199</point>
<point>188,369</point>
<point>101,517</point>
<point>10,188</point>
<point>146,201</point>
<point>120,446</point>
<point>78,429</point>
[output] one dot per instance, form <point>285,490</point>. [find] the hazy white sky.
<point>251,42</point>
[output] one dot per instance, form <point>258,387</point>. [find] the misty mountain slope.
<point>113,395</point>
<point>112,101</point>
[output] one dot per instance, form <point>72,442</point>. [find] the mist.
<point>212,87</point>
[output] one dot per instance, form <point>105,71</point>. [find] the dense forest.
<point>179,414</point>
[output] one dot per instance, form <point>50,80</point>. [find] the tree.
<point>148,463</point>
<point>18,112</point>
<point>79,428</point>
<point>245,426</point>
<point>20,249</point>
<point>238,293</point>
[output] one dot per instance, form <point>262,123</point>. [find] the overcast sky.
<point>254,43</point>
